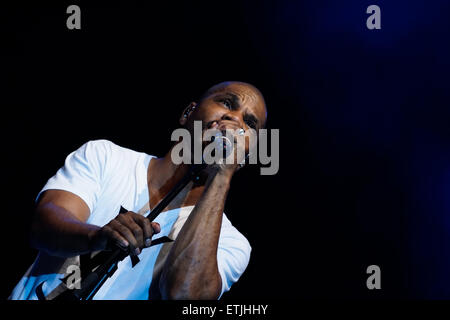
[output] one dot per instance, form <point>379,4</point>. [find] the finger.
<point>146,227</point>
<point>156,227</point>
<point>115,237</point>
<point>129,221</point>
<point>128,235</point>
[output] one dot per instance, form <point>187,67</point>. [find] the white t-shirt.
<point>106,177</point>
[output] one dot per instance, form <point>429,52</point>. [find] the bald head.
<point>220,87</point>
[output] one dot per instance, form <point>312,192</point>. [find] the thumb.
<point>156,227</point>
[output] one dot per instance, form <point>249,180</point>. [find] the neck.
<point>163,175</point>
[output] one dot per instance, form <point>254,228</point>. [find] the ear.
<point>187,112</point>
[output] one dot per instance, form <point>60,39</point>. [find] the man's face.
<point>230,106</point>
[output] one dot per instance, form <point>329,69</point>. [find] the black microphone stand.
<point>93,282</point>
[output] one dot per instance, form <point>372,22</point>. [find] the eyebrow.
<point>234,99</point>
<point>236,103</point>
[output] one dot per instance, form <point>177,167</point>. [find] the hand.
<point>130,231</point>
<point>236,145</point>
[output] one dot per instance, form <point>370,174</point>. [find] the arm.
<point>59,227</point>
<point>191,271</point>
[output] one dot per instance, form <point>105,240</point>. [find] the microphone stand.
<point>93,282</point>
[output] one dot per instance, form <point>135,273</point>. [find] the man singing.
<point>77,214</point>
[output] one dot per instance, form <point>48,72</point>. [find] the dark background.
<point>363,117</point>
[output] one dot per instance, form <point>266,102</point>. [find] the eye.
<point>227,103</point>
<point>251,123</point>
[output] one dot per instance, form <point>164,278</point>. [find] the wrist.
<point>222,174</point>
<point>94,239</point>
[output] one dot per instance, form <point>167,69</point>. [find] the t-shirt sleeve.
<point>82,172</point>
<point>233,255</point>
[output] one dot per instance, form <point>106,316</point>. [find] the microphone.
<point>222,142</point>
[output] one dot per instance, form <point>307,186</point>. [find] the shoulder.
<point>103,148</point>
<point>94,149</point>
<point>100,146</point>
<point>105,157</point>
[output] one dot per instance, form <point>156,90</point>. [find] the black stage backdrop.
<point>363,115</point>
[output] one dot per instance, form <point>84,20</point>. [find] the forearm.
<point>57,232</point>
<point>191,270</point>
